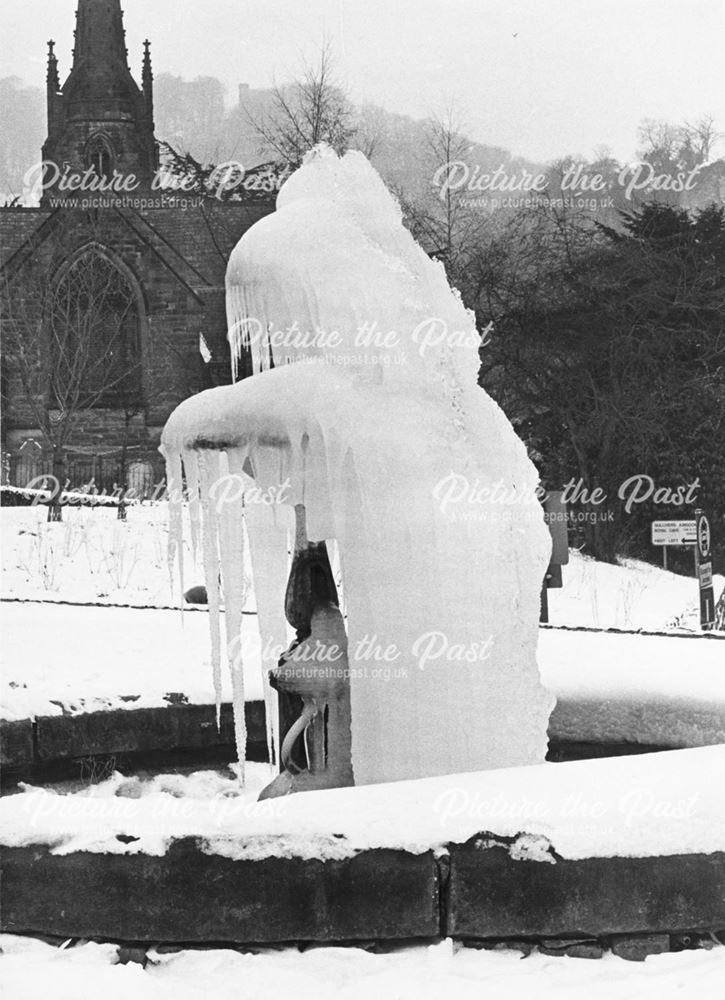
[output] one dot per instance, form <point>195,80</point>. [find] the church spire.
<point>100,118</point>
<point>100,39</point>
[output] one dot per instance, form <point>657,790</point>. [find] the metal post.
<point>544,614</point>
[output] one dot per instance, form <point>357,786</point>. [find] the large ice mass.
<point>364,407</point>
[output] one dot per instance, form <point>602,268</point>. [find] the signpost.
<point>697,534</point>
<point>666,533</point>
<point>703,565</point>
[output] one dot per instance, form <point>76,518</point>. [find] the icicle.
<point>234,583</point>
<point>234,318</point>
<point>268,532</point>
<point>175,552</point>
<point>333,550</point>
<point>208,474</point>
<point>191,468</point>
<point>247,329</point>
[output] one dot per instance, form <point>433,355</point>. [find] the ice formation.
<point>364,407</point>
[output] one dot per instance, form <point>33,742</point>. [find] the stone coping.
<point>469,892</point>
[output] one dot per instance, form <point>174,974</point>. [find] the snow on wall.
<point>647,689</point>
<point>646,806</point>
<point>442,608</point>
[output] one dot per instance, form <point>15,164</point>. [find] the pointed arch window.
<point>95,335</point>
<point>99,156</point>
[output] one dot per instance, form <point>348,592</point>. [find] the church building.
<point>112,285</point>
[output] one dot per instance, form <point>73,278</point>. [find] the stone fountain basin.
<point>592,849</point>
<point>150,692</point>
<point>585,849</point>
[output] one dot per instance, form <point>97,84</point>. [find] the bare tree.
<point>312,109</point>
<point>659,141</point>
<point>370,130</point>
<point>677,147</point>
<point>444,220</point>
<point>703,136</point>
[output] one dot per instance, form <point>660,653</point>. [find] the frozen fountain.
<point>382,512</point>
<point>364,402</point>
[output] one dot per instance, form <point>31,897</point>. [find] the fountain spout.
<point>313,677</point>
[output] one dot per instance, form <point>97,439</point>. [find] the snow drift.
<point>401,461</point>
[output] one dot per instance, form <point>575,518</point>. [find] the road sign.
<point>703,535</point>
<point>705,574</point>
<point>703,566</point>
<point>674,532</point>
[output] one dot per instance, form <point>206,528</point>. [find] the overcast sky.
<point>541,77</point>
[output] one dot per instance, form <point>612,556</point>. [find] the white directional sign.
<point>705,574</point>
<point>674,532</point>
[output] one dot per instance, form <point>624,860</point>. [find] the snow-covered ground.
<point>93,557</point>
<point>32,970</point>
<point>89,556</point>
<point>633,595</point>
<point>650,805</point>
<point>57,658</point>
<point>610,687</point>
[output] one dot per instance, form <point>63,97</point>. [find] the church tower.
<point>100,118</point>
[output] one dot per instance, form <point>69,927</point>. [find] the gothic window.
<point>99,157</point>
<point>94,334</point>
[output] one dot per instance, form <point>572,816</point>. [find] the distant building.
<point>137,274</point>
